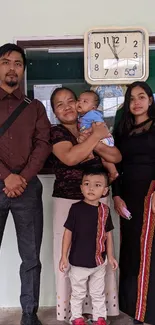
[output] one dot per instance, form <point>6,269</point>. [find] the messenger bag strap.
<point>14,115</point>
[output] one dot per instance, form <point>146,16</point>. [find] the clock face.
<point>115,57</point>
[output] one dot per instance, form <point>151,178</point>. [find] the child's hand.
<point>63,264</point>
<point>113,263</point>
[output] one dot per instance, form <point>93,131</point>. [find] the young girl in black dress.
<point>134,190</point>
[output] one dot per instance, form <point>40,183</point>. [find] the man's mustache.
<point>11,74</point>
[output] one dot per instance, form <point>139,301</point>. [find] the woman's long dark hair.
<point>127,119</point>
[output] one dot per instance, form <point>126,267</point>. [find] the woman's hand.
<point>119,204</point>
<point>84,135</point>
<point>100,130</point>
<point>153,202</point>
<point>72,155</point>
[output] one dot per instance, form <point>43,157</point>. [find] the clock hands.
<point>121,50</point>
<point>113,49</point>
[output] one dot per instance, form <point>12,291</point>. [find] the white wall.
<point>41,18</point>
<point>23,18</point>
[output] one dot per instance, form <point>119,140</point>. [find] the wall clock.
<point>116,55</point>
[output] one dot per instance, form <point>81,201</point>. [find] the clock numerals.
<point>127,71</point>
<point>116,72</point>
<point>135,55</point>
<point>131,72</point>
<point>135,43</point>
<point>96,56</point>
<point>115,56</point>
<point>115,39</point>
<point>96,68</point>
<point>97,45</point>
<point>106,40</point>
<point>106,71</point>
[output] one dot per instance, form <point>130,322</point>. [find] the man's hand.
<point>13,193</point>
<point>14,185</point>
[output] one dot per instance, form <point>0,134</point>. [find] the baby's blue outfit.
<point>85,122</point>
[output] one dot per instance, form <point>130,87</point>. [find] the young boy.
<point>87,105</point>
<point>88,237</point>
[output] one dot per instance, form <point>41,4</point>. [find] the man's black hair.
<point>10,47</point>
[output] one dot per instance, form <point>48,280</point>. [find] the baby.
<point>87,105</point>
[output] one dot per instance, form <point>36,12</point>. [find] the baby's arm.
<point>93,116</point>
<point>66,242</point>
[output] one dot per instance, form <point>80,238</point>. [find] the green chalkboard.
<point>44,67</point>
<point>67,69</point>
<point>151,79</point>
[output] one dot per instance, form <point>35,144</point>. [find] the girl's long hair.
<point>127,121</point>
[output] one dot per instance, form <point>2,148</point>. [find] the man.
<point>23,149</point>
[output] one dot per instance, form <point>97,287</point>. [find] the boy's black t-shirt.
<point>82,221</point>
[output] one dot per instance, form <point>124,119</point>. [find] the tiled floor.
<point>47,316</point>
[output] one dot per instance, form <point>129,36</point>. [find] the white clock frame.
<point>89,59</point>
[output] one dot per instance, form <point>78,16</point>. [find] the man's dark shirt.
<point>25,145</point>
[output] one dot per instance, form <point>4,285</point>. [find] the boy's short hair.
<point>96,96</point>
<point>96,171</point>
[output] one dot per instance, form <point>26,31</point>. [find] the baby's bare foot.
<point>112,177</point>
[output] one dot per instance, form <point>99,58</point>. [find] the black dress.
<point>137,252</point>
